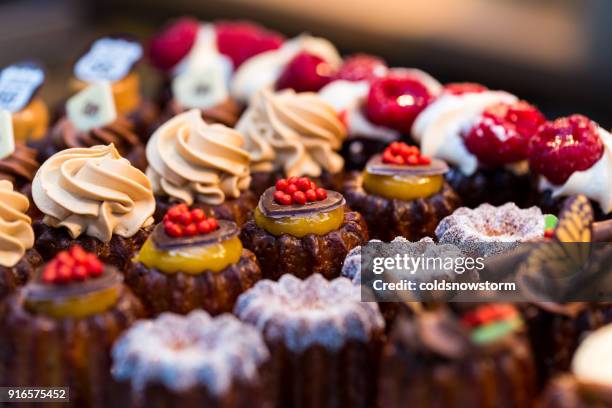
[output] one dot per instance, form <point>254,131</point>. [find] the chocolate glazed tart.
<point>180,292</point>
<point>310,254</point>
<point>389,218</point>
<point>18,275</point>
<point>117,252</point>
<point>36,348</point>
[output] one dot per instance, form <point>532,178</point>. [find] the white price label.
<point>7,138</point>
<point>18,83</point>
<point>93,107</point>
<point>109,59</point>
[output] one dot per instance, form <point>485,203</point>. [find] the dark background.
<point>554,53</point>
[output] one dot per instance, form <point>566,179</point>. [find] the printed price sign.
<point>92,107</point>
<point>201,87</point>
<point>18,83</point>
<point>109,59</point>
<point>7,139</point>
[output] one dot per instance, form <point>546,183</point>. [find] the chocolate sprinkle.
<point>271,209</point>
<point>378,167</point>
<point>163,241</point>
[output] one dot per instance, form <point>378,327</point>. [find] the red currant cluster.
<point>489,314</point>
<point>298,190</point>
<point>179,221</point>
<point>73,265</point>
<point>402,154</point>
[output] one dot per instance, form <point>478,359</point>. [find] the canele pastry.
<point>302,229</point>
<point>484,135</point>
<point>436,359</point>
<point>198,61</point>
<point>17,258</point>
<point>324,342</point>
<point>192,361</point>
<point>590,382</point>
<point>114,59</point>
<point>291,134</point>
<point>573,155</point>
<point>19,85</point>
<point>92,197</point>
<point>190,262</point>
<point>401,193</point>
<point>57,331</point>
<point>201,165</point>
<point>91,120</point>
<point>377,105</point>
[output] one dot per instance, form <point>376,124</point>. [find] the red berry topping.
<point>73,265</point>
<point>170,46</point>
<point>305,73</point>
<point>501,136</point>
<point>241,40</point>
<point>564,146</point>
<point>298,190</point>
<point>399,153</point>
<point>395,101</point>
<point>488,314</point>
<point>361,67</point>
<point>460,88</point>
<point>179,222</point>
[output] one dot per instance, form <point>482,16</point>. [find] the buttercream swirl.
<point>190,160</point>
<point>298,133</point>
<point>93,191</point>
<point>16,234</point>
<point>19,168</point>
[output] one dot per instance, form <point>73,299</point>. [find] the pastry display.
<point>302,229</point>
<point>192,261</point>
<point>573,155</point>
<point>201,165</point>
<point>291,134</point>
<point>324,342</point>
<point>57,331</point>
<point>484,135</point>
<point>86,124</point>
<point>19,85</point>
<point>377,105</point>
<point>94,198</point>
<point>18,259</point>
<point>401,193</point>
<point>192,360</point>
<point>479,359</point>
<point>114,59</point>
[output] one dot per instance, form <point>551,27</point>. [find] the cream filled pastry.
<point>16,234</point>
<point>191,161</point>
<point>95,192</point>
<point>297,133</point>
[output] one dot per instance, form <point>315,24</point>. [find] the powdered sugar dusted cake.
<point>181,352</point>
<point>303,313</point>
<point>487,229</point>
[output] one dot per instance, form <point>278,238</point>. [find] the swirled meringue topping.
<point>190,160</point>
<point>16,234</point>
<point>595,182</point>
<point>296,132</point>
<point>264,69</point>
<point>438,128</point>
<point>93,191</point>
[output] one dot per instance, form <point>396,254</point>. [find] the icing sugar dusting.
<point>185,351</point>
<point>315,311</point>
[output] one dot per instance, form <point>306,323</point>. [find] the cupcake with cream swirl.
<point>291,134</point>
<point>95,198</point>
<point>201,165</point>
<point>17,258</point>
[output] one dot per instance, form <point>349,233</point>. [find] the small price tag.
<point>200,86</point>
<point>92,107</point>
<point>7,138</point>
<point>108,59</point>
<point>18,83</point>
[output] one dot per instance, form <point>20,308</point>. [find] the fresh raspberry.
<point>564,146</point>
<point>305,73</point>
<point>395,101</point>
<point>170,46</point>
<point>361,67</point>
<point>501,136</point>
<point>460,88</point>
<point>241,40</point>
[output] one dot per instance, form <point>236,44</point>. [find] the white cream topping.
<point>591,363</point>
<point>264,69</point>
<point>595,182</point>
<point>438,128</point>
